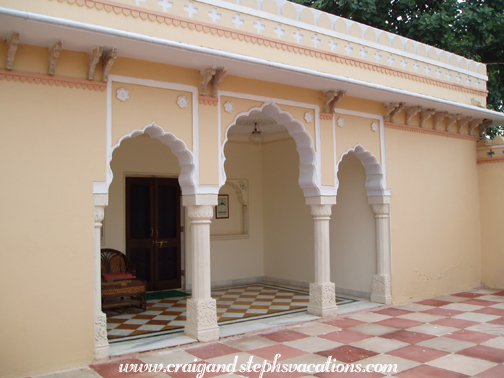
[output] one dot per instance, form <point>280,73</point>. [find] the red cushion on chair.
<point>117,276</point>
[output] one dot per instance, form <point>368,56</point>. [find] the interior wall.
<point>236,258</point>
<point>435,227</point>
<point>491,182</point>
<point>288,224</point>
<point>139,156</point>
<point>353,233</point>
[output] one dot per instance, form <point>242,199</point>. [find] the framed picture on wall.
<point>222,208</point>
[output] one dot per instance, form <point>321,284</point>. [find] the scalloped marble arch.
<point>375,178</point>
<point>177,146</point>
<point>308,180</point>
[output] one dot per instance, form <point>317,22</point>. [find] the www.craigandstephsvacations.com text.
<point>199,369</point>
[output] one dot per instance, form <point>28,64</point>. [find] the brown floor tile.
<point>128,326</point>
<point>417,353</point>
<point>407,336</point>
<point>426,371</point>
<point>347,353</point>
<point>345,336</point>
<point>484,353</point>
<point>471,336</point>
<point>211,350</point>
<point>284,336</point>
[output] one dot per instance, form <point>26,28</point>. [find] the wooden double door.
<point>153,230</point>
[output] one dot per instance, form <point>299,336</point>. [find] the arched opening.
<point>353,232</point>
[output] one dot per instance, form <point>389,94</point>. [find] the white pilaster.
<point>382,288</point>
<point>322,291</point>
<point>201,320</point>
<point>101,345</point>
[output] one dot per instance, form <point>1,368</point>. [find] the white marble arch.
<point>188,186</point>
<point>187,177</point>
<point>379,199</point>
<point>308,177</point>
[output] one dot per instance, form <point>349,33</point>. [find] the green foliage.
<point>471,28</point>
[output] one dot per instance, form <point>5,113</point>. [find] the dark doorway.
<point>153,230</point>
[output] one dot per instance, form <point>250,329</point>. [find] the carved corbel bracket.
<point>54,53</point>
<point>485,125</point>
<point>220,73</point>
<point>331,99</point>
<point>392,109</point>
<point>12,45</point>
<point>451,119</point>
<point>438,117</point>
<point>425,114</point>
<point>462,122</point>
<point>474,123</point>
<point>412,111</point>
<point>107,62</point>
<point>94,57</point>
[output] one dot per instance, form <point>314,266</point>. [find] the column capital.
<point>380,205</point>
<point>321,211</point>
<point>200,212</point>
<point>321,200</point>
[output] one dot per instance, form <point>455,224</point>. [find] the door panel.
<point>153,230</point>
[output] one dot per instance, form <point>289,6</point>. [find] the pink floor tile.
<point>471,336</point>
<point>344,322</point>
<point>393,312</point>
<point>111,369</point>
<point>345,336</point>
<point>484,353</point>
<point>212,350</point>
<point>399,323</point>
<point>284,336</point>
<point>408,336</point>
<point>192,374</point>
<point>433,302</point>
<point>442,312</point>
<point>269,352</point>
<point>491,311</point>
<point>479,302</point>
<point>495,372</point>
<point>426,371</point>
<point>500,293</point>
<point>499,321</point>
<point>457,323</point>
<point>347,353</point>
<point>466,294</point>
<point>418,353</point>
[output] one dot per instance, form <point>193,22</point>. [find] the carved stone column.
<point>322,291</point>
<point>382,291</point>
<point>201,320</point>
<point>101,345</point>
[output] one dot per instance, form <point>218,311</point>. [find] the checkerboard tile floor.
<point>232,304</point>
<point>452,336</point>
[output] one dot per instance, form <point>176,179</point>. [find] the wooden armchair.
<point>115,266</point>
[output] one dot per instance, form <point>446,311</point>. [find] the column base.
<point>201,321</point>
<point>323,300</point>
<point>101,345</point>
<point>381,289</point>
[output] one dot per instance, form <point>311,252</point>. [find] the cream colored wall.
<point>234,224</point>
<point>50,159</point>
<point>352,230</point>
<point>288,224</point>
<point>139,156</point>
<point>241,258</point>
<point>491,182</point>
<point>434,215</point>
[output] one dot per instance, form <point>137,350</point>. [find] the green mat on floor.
<point>166,294</point>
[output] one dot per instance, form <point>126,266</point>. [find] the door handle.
<point>160,243</point>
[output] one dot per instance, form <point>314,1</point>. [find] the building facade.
<point>290,146</point>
